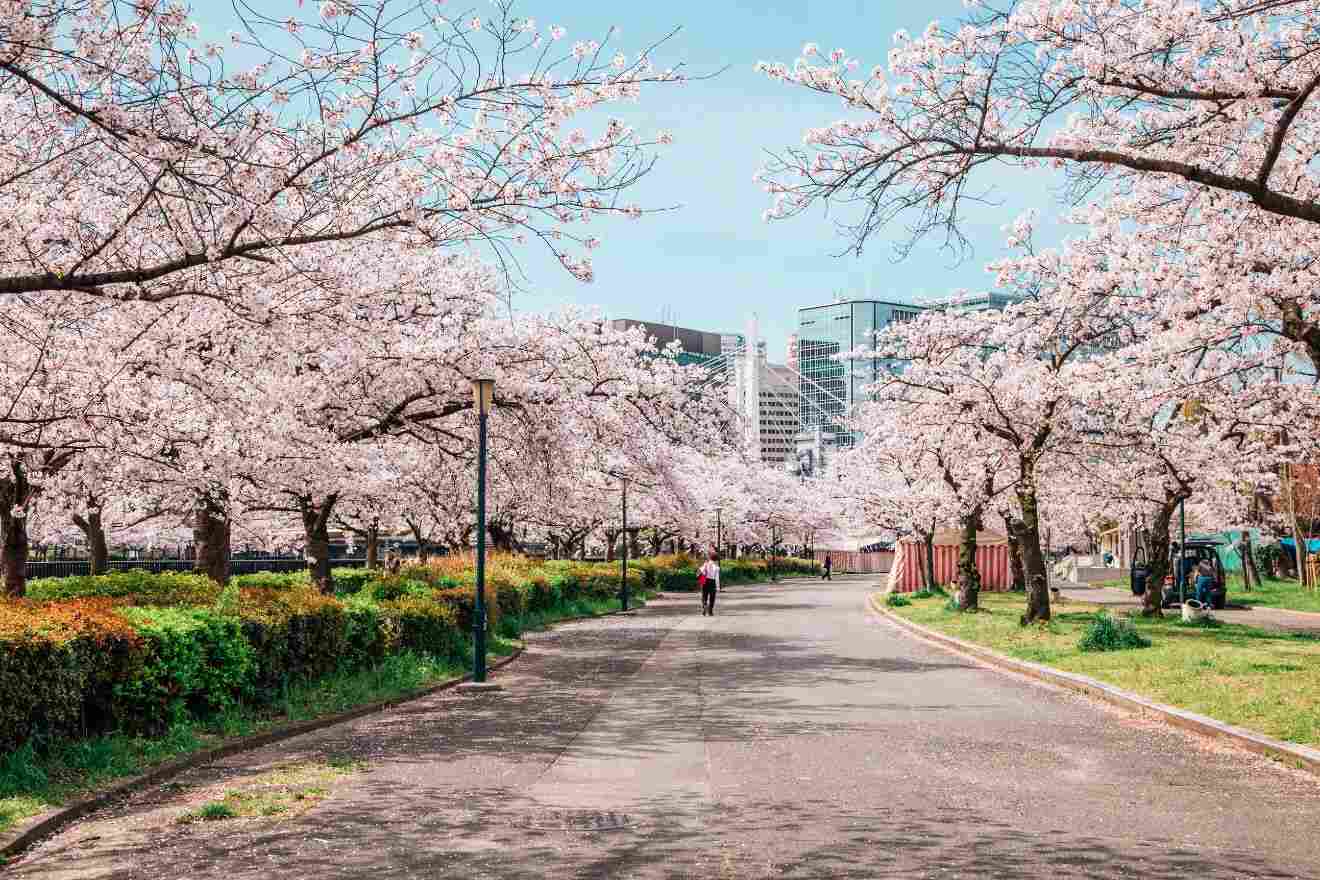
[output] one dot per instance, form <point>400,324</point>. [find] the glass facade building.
<point>830,387</point>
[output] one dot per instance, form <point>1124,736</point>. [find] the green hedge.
<point>137,651</point>
<point>679,574</point>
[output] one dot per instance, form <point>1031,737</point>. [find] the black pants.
<point>827,574</point>
<point>708,598</point>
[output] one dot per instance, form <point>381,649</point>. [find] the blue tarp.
<point>1289,546</point>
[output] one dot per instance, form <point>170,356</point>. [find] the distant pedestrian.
<point>710,582</point>
<point>1205,582</point>
<point>829,566</point>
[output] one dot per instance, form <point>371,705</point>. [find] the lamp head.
<point>483,394</point>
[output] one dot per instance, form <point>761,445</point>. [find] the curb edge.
<point>1304,757</point>
<point>17,841</point>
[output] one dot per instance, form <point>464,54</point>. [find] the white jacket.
<point>711,569</point>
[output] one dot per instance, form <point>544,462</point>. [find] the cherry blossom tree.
<point>140,174</point>
<point>1185,131</point>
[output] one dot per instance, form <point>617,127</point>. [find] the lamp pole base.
<point>479,687</point>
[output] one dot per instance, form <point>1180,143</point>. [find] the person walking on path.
<point>829,565</point>
<point>710,582</point>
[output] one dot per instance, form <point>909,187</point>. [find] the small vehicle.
<point>1195,552</point>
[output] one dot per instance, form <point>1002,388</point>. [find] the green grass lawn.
<point>1274,594</point>
<point>1287,594</point>
<point>1265,681</point>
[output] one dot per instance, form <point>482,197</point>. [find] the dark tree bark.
<point>373,545</point>
<point>211,535</point>
<point>15,492</point>
<point>316,533</point>
<point>501,537</point>
<point>1159,556</point>
<point>1033,560</point>
<point>15,554</point>
<point>1013,528</point>
<point>1250,573</point>
<point>928,541</point>
<point>94,531</point>
<point>610,537</point>
<point>969,576</point>
<point>422,547</point>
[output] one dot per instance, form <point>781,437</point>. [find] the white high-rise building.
<point>765,396</point>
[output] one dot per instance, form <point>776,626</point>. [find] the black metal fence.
<point>77,567</point>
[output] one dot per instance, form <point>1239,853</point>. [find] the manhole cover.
<point>577,820</point>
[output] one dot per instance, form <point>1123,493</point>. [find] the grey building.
<point>829,387</point>
<point>698,345</point>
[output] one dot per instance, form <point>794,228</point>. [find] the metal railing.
<point>79,567</point>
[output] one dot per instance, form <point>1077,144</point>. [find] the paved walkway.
<point>1265,618</point>
<point>792,735</point>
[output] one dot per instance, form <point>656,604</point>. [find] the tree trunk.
<point>1016,569</point>
<point>14,491</point>
<point>94,532</point>
<point>969,576</point>
<point>1033,560</point>
<point>1013,529</point>
<point>610,537</point>
<point>502,538</point>
<point>420,540</point>
<point>15,554</point>
<point>928,541</point>
<point>211,535</point>
<point>1250,573</point>
<point>1159,558</point>
<point>316,533</point>
<point>373,545</point>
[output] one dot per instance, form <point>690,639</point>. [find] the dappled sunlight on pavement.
<point>791,735</point>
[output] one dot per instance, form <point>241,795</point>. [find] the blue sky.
<point>714,262</point>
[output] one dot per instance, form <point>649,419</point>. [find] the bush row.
<point>679,573</point>
<point>137,651</point>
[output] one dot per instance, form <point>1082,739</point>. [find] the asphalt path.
<point>792,735</point>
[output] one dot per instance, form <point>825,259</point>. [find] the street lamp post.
<point>719,532</point>
<point>623,592</point>
<point>483,391</point>
<point>1182,553</point>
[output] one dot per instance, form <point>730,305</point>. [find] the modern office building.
<point>974,302</point>
<point>830,387</point>
<point>699,346</point>
<point>764,396</point>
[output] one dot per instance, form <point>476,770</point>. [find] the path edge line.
<point>1304,757</point>
<point>22,838</point>
<point>41,826</point>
